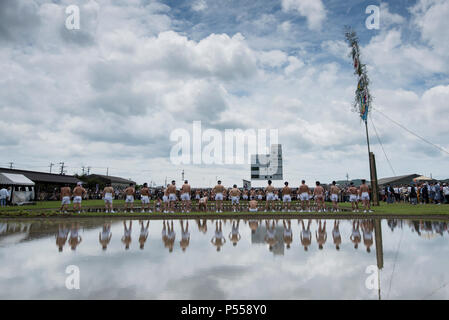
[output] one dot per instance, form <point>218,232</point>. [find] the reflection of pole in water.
<point>379,250</point>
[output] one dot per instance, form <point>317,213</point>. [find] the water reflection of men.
<point>126,239</point>
<point>367,229</point>
<point>234,235</point>
<point>270,237</point>
<point>336,234</point>
<point>355,236</point>
<point>105,236</point>
<point>306,235</point>
<point>288,234</point>
<point>218,240</point>
<point>185,236</point>
<point>168,236</point>
<point>75,238</point>
<point>321,235</point>
<point>61,236</point>
<point>143,234</point>
<point>253,225</point>
<point>202,226</point>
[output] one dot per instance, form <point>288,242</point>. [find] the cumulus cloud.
<point>111,93</point>
<point>430,16</point>
<point>313,10</point>
<point>199,5</point>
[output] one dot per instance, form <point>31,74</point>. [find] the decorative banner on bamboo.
<point>363,97</point>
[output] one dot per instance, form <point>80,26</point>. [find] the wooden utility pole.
<point>62,168</point>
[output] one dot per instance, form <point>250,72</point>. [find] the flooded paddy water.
<point>223,259</point>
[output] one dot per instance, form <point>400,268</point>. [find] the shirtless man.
<point>353,192</point>
<point>245,194</point>
<point>108,191</point>
<point>259,195</point>
<point>78,193</point>
<point>202,204</point>
<point>318,193</point>
<point>364,195</point>
<point>269,191</point>
<point>252,194</point>
<point>235,197</point>
<point>303,191</point>
<point>171,191</point>
<point>145,198</point>
<point>286,196</point>
<point>198,194</point>
<point>334,191</point>
<point>252,206</point>
<point>185,197</point>
<point>219,190</point>
<point>276,199</point>
<point>66,193</point>
<point>165,199</point>
<point>129,201</point>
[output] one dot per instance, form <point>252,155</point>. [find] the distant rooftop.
<point>113,179</point>
<point>45,177</point>
<point>408,178</point>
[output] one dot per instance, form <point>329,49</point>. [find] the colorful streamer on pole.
<point>363,97</point>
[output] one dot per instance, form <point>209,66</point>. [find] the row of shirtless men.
<point>218,193</point>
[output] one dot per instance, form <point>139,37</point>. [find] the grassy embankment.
<point>51,208</point>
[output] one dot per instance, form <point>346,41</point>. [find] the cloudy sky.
<point>110,94</point>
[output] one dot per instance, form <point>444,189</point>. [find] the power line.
<point>411,132</point>
<point>434,291</point>
<point>394,264</point>
<point>380,142</point>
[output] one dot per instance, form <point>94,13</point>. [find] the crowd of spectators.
<point>424,193</point>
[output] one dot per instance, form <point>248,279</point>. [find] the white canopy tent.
<point>12,179</point>
<point>22,187</point>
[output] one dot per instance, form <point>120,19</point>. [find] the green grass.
<point>50,208</point>
<point>40,205</point>
<point>407,209</point>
